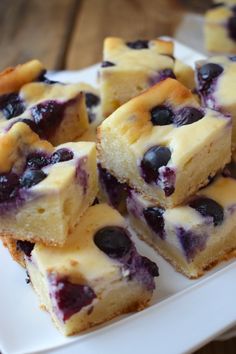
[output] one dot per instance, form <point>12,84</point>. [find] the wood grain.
<point>34,29</point>
<point>129,19</point>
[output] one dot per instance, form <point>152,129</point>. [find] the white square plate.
<point>184,314</point>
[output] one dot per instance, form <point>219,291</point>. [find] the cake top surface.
<point>139,55</point>
<point>166,115</point>
<point>215,77</point>
<point>13,78</point>
<point>80,258</point>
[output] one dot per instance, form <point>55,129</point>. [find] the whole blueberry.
<point>208,207</point>
<point>188,115</point>
<point>11,105</point>
<point>91,99</point>
<point>232,27</point>
<point>156,157</point>
<point>37,160</point>
<point>232,57</point>
<point>9,183</point>
<point>161,115</point>
<point>151,267</point>
<point>32,177</point>
<point>106,64</point>
<point>209,71</point>
<point>62,155</point>
<point>139,44</point>
<point>25,246</point>
<point>113,241</point>
<point>155,220</point>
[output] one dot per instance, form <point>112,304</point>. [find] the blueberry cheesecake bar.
<point>163,144</point>
<point>43,190</point>
<point>128,68</point>
<point>216,79</point>
<point>55,111</point>
<point>97,275</point>
<point>193,236</point>
<point>220,28</point>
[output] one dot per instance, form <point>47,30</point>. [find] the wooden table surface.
<point>68,34</point>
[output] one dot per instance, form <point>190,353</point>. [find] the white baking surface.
<point>184,314</point>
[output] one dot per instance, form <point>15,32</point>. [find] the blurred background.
<point>68,34</point>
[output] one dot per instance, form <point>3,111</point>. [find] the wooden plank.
<point>132,19</point>
<point>34,29</point>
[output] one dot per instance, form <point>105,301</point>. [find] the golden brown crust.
<point>135,307</point>
<point>11,245</point>
<point>13,78</point>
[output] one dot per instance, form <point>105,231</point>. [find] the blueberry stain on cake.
<point>191,242</point>
<point>11,105</point>
<point>68,297</point>
<point>155,220</point>
<point>114,190</point>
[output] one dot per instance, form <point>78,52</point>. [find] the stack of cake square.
<point>78,254</point>
<point>166,155</point>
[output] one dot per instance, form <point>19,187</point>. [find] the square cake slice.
<point>216,84</point>
<point>55,111</point>
<point>43,190</point>
<point>129,68</point>
<point>163,144</point>
<point>194,236</point>
<point>96,276</point>
<point>220,28</point>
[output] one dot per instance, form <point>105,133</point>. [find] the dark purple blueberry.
<point>113,241</point>
<point>232,58</point>
<point>9,182</point>
<point>232,27</point>
<point>91,99</point>
<point>115,190</point>
<point>48,115</point>
<point>33,126</point>
<point>107,63</point>
<point>155,220</point>
<point>188,115</point>
<point>62,155</point>
<point>25,246</point>
<point>230,170</point>
<point>32,177</point>
<point>208,207</point>
<point>191,242</point>
<point>165,73</point>
<point>153,159</point>
<point>70,297</point>
<point>150,266</point>
<point>139,44</point>
<point>37,160</point>
<point>11,105</point>
<point>161,115</point>
<point>210,71</point>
